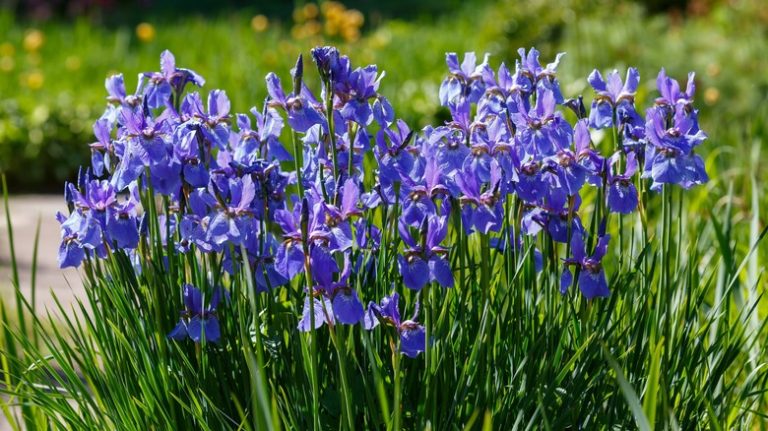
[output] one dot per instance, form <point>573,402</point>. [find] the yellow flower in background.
<point>6,63</point>
<point>354,18</point>
<point>350,34</point>
<point>312,28</point>
<point>259,23</point>
<point>331,8</point>
<point>145,32</point>
<point>35,80</point>
<point>33,40</point>
<point>711,95</point>
<point>331,19</point>
<point>7,49</point>
<point>310,11</point>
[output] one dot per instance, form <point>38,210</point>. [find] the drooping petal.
<point>124,231</point>
<point>305,324</point>
<point>347,307</point>
<point>289,260</point>
<point>440,271</point>
<point>179,332</point>
<point>415,273</point>
<point>593,284</point>
<point>322,265</point>
<point>71,255</point>
<point>601,114</point>
<point>566,279</point>
<point>195,329</point>
<point>412,339</point>
<point>212,330</point>
<point>622,197</point>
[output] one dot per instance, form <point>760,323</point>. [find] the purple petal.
<point>179,332</point>
<point>440,271</point>
<point>212,330</point>
<point>602,247</point>
<point>323,266</point>
<point>218,103</point>
<point>348,308</point>
<point>124,231</point>
<point>370,320</point>
<point>193,299</point>
<point>195,329</point>
<point>622,198</point>
<point>566,279</point>
<point>577,247</point>
<point>601,115</point>
<point>593,284</point>
<point>305,324</point>
<point>631,81</point>
<point>596,80</point>
<point>390,308</point>
<point>167,63</point>
<point>415,273</point>
<point>452,60</point>
<point>412,339</point>
<point>274,88</point>
<point>70,255</point>
<point>614,85</point>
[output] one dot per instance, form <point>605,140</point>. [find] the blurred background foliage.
<point>55,54</point>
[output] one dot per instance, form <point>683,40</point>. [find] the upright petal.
<point>595,79</point>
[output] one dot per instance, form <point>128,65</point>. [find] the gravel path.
<point>26,211</point>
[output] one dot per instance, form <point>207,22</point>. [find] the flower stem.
<point>312,345</point>
<point>258,388</point>
<point>427,349</point>
<point>397,396</point>
<point>338,340</point>
<point>332,133</point>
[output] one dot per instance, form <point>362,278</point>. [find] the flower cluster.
<point>508,166</point>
